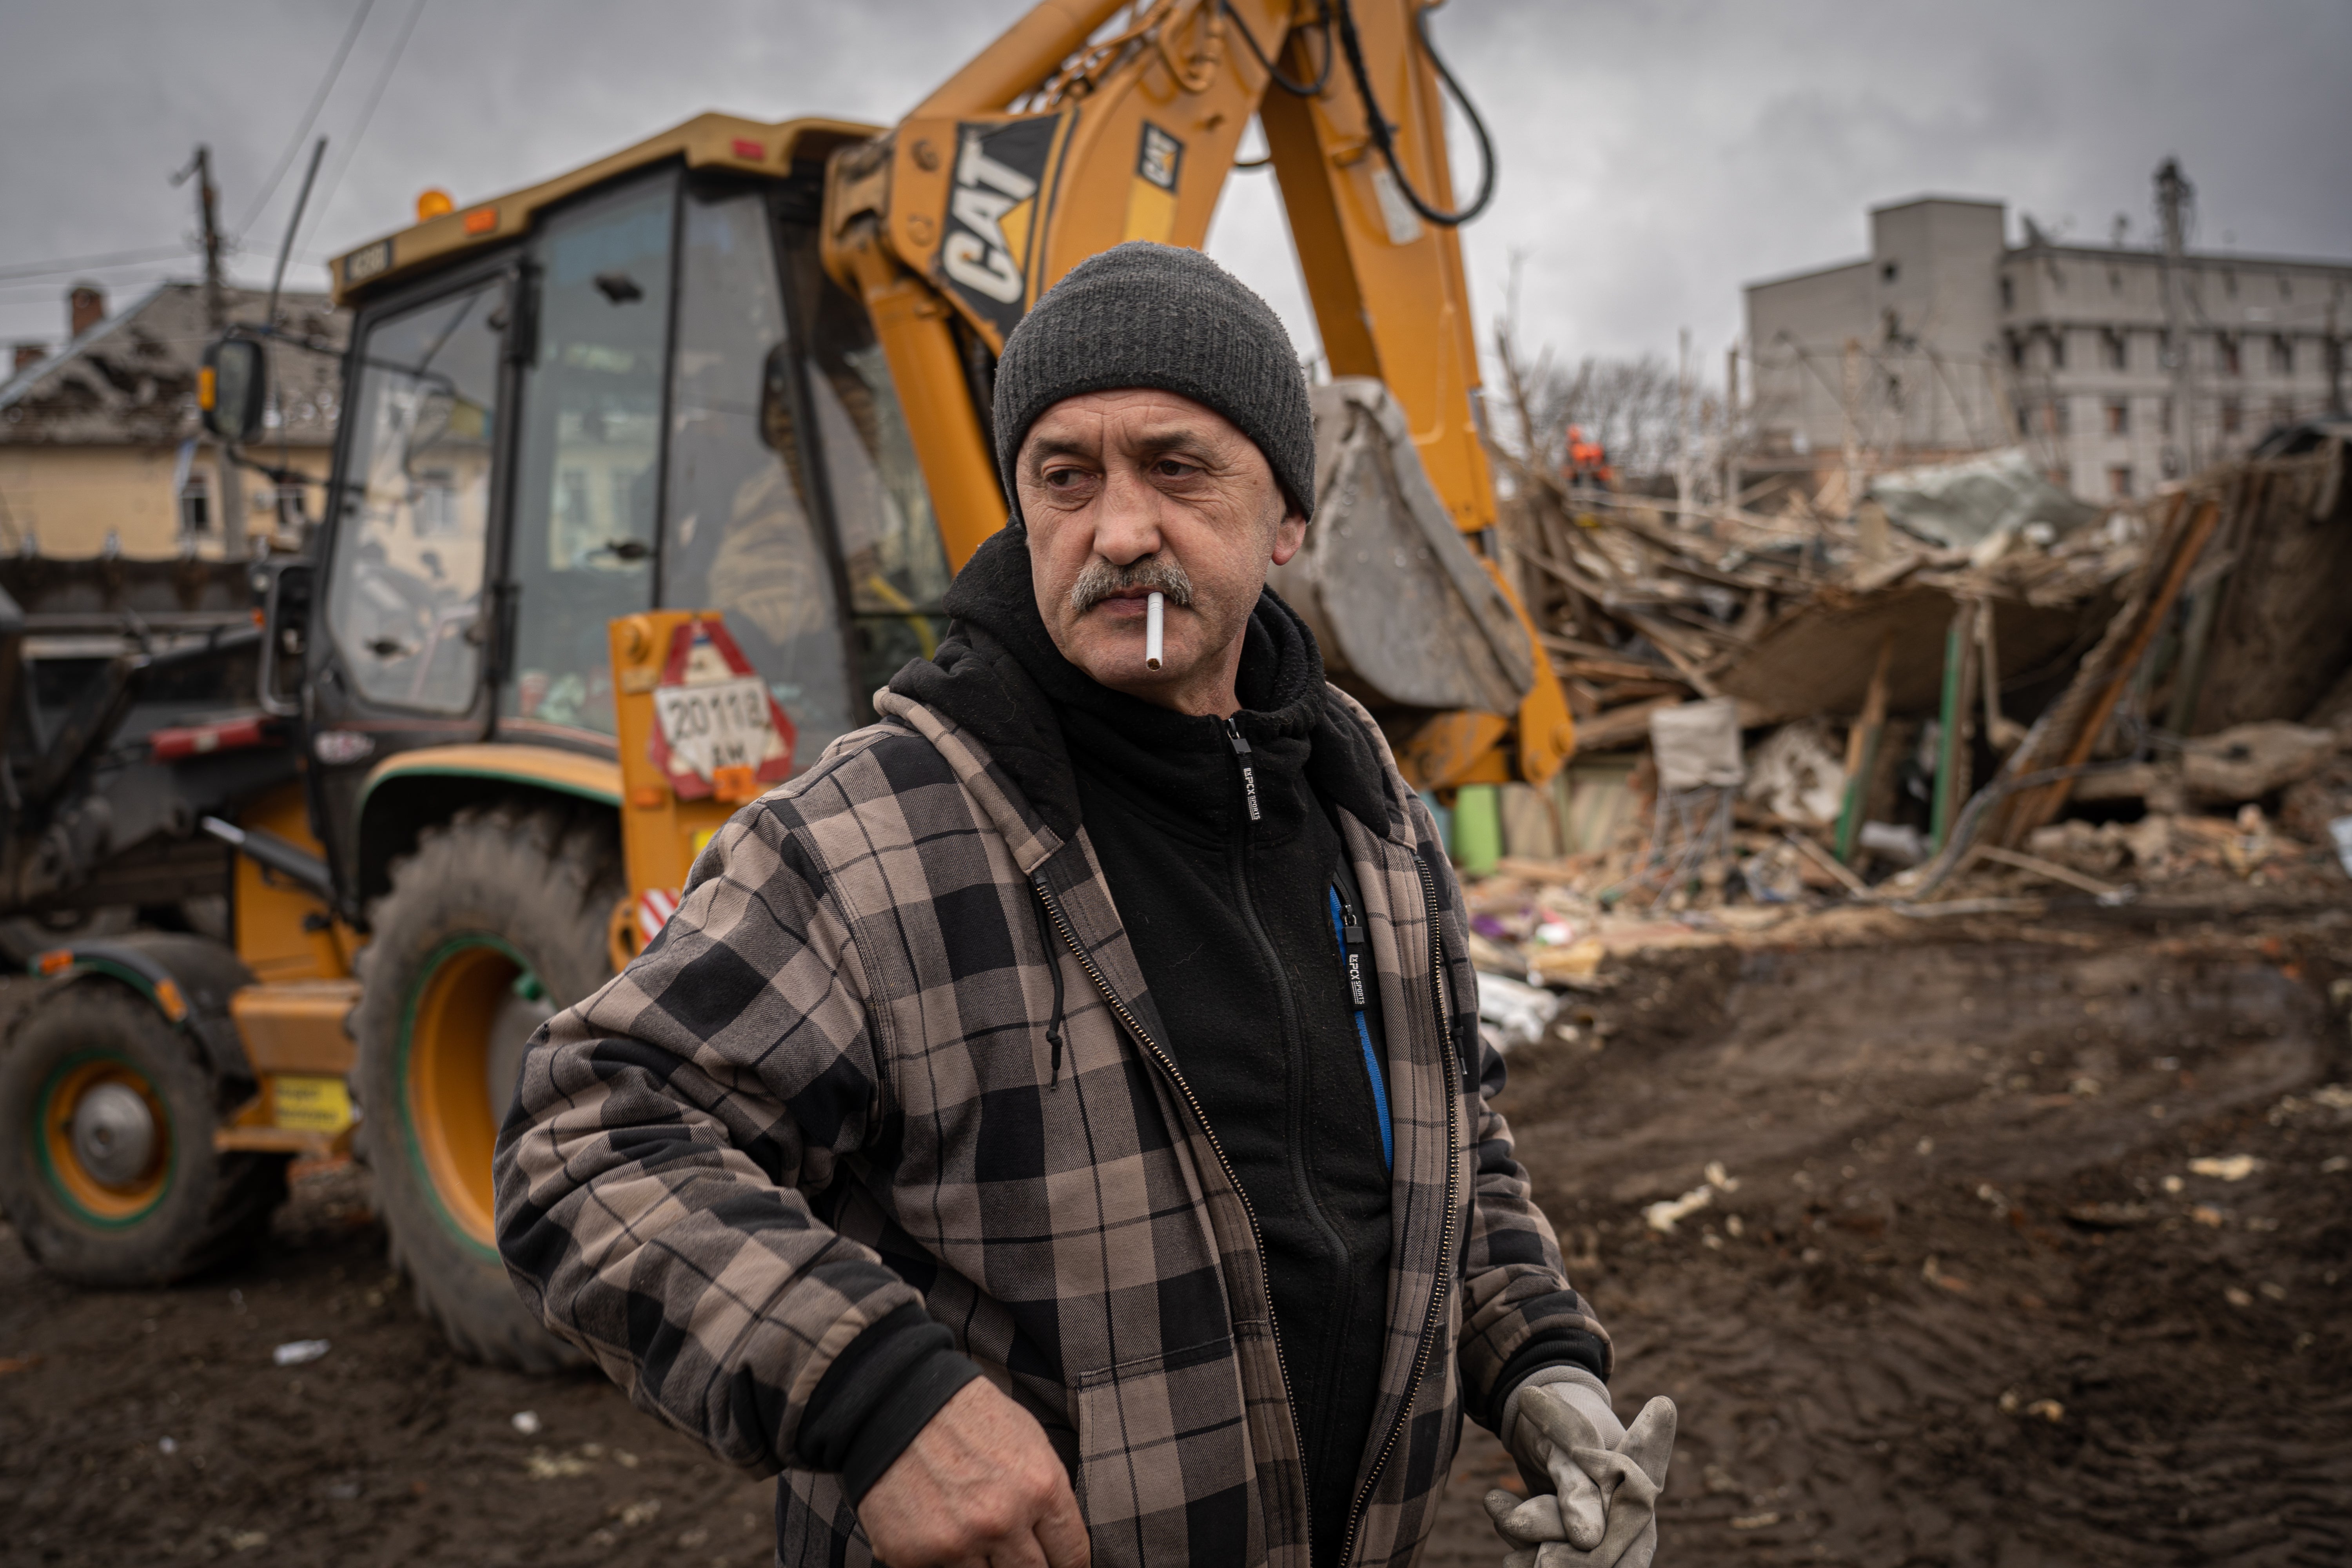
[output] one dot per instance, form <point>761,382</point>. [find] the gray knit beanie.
<point>1141,314</point>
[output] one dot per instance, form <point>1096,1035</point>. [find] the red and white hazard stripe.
<point>654,906</point>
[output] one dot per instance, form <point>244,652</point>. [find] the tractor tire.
<point>495,923</point>
<point>107,1167</point>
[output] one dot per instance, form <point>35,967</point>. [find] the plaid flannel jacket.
<point>825,1090</point>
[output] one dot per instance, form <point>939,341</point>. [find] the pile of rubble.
<point>1968,689</point>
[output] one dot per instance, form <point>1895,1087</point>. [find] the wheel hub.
<point>114,1134</point>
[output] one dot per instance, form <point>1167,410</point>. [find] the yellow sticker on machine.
<point>311,1104</point>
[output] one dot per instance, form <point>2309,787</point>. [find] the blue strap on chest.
<point>1352,959</point>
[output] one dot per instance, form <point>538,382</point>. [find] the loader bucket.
<point>1406,616</point>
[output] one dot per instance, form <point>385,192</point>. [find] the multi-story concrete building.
<point>1949,339</point>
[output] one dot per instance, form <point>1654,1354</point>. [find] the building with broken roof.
<point>101,449</point>
<point>1947,338</point>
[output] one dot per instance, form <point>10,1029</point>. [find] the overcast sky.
<point>1654,157</point>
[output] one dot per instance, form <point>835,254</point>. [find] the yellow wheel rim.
<point>446,1051</point>
<point>127,1195</point>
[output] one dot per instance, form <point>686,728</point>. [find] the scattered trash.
<point>1904,845</point>
<point>542,1465</point>
<point>525,1422</point>
<point>1663,1215</point>
<point>2229,1168</point>
<point>1513,1012</point>
<point>168,1445</point>
<point>2012,1403</point>
<point>1796,775</point>
<point>294,1353</point>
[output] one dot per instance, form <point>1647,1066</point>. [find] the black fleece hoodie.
<point>1229,916</point>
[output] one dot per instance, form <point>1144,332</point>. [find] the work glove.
<point>1597,1481</point>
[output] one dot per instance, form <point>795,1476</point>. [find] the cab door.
<point>794,503</point>
<point>403,635</point>
<point>588,455</point>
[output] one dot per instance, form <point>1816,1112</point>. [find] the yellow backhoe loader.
<point>645,478</point>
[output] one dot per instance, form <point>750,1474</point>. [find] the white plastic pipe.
<point>1155,615</point>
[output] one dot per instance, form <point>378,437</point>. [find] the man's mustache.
<point>1099,580</point>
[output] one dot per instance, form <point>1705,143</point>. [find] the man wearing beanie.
<point>1053,1128</point>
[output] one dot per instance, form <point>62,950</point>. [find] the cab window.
<point>893,561</point>
<point>405,600</point>
<point>588,463</point>
<point>742,535</point>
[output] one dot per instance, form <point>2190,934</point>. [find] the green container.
<point>1477,829</point>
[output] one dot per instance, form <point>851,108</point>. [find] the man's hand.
<point>978,1488</point>
<point>1601,1510</point>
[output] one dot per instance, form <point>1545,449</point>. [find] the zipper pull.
<point>1249,774</point>
<point>1351,946</point>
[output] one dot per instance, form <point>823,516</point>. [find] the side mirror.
<point>231,388</point>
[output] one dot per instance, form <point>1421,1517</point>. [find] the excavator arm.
<point>1069,135</point>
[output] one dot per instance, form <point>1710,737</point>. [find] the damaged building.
<point>102,452</point>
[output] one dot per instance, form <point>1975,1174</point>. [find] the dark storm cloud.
<point>1654,157</point>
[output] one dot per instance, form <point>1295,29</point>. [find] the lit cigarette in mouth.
<point>1155,615</point>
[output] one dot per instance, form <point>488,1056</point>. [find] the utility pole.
<point>2173,194</point>
<point>2335,365</point>
<point>1683,477</point>
<point>1851,399</point>
<point>1731,426</point>
<point>228,493</point>
<point>208,223</point>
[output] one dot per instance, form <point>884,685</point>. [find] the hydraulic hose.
<point>1382,133</point>
<point>1296,88</point>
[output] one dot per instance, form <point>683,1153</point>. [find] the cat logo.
<point>992,215</point>
<point>1151,196</point>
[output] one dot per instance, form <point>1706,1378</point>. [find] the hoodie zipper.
<point>1445,1242</point>
<point>1167,1065</point>
<point>1249,773</point>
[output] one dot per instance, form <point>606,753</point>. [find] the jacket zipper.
<point>1446,1241</point>
<point>1167,1065</point>
<point>1249,774</point>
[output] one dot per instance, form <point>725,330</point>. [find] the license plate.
<point>311,1104</point>
<point>721,725</point>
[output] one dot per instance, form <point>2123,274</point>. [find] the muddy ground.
<point>1967,1301</point>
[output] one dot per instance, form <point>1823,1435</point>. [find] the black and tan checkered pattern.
<point>827,1090</point>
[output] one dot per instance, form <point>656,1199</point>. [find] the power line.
<point>375,96</point>
<point>310,115</point>
<point>99,263</point>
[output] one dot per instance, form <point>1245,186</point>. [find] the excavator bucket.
<point>1406,614</point>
